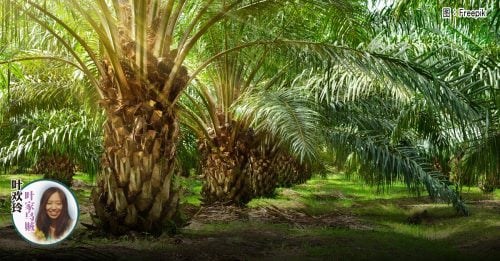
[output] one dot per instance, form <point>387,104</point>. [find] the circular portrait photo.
<point>47,212</point>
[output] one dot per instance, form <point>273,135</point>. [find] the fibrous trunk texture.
<point>136,188</point>
<point>224,166</point>
<point>235,179</point>
<point>236,166</point>
<point>489,184</point>
<point>291,171</point>
<point>56,167</point>
<point>262,177</point>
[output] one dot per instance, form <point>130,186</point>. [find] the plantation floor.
<point>328,218</point>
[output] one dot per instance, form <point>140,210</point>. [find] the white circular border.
<point>38,187</point>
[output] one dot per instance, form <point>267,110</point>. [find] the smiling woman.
<point>53,218</point>
<point>46,213</point>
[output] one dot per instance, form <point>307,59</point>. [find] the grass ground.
<point>327,218</point>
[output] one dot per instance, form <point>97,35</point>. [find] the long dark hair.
<point>43,221</point>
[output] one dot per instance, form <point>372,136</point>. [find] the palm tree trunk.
<point>56,167</point>
<point>224,167</point>
<point>236,171</point>
<point>225,180</point>
<point>291,171</point>
<point>262,176</point>
<point>136,189</point>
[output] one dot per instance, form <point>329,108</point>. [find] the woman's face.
<point>54,206</point>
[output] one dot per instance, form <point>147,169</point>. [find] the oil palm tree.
<point>54,142</point>
<point>243,154</point>
<point>47,121</point>
<point>288,115</point>
<point>473,43</point>
<point>140,74</point>
<point>139,68</point>
<point>140,58</point>
<point>403,142</point>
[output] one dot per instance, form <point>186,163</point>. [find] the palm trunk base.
<point>116,215</point>
<point>136,189</point>
<point>263,179</point>
<point>291,172</point>
<point>235,180</point>
<point>489,184</point>
<point>56,167</point>
<point>225,181</point>
<point>224,166</point>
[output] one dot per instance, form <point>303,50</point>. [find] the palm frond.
<point>389,164</point>
<point>289,116</point>
<point>63,132</point>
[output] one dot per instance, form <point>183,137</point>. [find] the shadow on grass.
<point>442,235</point>
<point>251,241</point>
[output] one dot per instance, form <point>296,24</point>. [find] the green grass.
<point>324,194</point>
<point>191,191</point>
<point>5,181</point>
<point>444,235</point>
<point>384,245</point>
<point>84,177</point>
